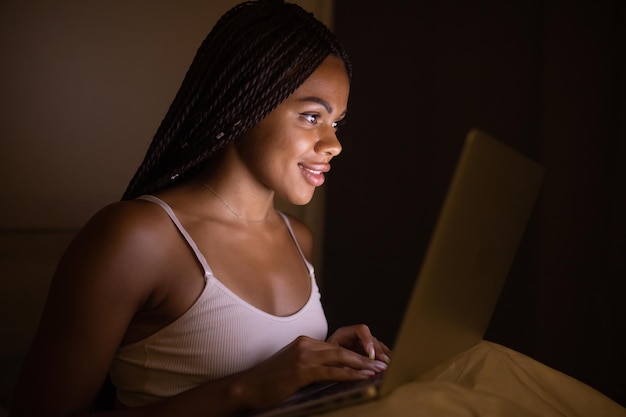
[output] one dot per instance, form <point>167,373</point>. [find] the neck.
<point>230,208</point>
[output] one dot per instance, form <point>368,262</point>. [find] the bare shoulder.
<point>303,233</point>
<point>126,219</point>
<point>124,227</point>
<point>121,245</point>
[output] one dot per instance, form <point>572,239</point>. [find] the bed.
<point>490,380</point>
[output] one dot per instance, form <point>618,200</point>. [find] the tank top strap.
<point>183,232</point>
<point>295,241</point>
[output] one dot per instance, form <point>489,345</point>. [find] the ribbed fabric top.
<point>219,335</point>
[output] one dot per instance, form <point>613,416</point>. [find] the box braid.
<point>255,56</point>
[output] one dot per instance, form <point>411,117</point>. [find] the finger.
<point>383,352</point>
<point>368,342</point>
<point>375,349</point>
<point>350,370</point>
<point>359,338</point>
<point>338,356</point>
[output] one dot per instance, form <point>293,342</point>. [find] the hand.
<point>358,338</point>
<point>306,361</point>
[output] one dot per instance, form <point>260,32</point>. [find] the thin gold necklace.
<point>229,207</point>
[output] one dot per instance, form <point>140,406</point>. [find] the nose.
<point>328,143</point>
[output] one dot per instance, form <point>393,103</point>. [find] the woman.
<point>194,293</point>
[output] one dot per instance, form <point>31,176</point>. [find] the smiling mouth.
<point>314,176</point>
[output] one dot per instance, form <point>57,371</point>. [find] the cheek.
<point>271,146</point>
<point>275,144</point>
<point>260,154</point>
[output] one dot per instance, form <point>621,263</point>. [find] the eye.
<point>311,118</point>
<point>339,123</point>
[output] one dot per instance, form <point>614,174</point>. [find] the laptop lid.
<point>480,226</point>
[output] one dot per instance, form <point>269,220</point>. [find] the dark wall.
<point>545,77</point>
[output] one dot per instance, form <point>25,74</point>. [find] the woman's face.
<point>289,150</point>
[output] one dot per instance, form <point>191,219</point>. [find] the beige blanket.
<point>490,380</point>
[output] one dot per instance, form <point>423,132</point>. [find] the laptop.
<point>482,220</point>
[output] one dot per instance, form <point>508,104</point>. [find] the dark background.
<point>546,77</point>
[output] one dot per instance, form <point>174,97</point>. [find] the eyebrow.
<point>322,102</point>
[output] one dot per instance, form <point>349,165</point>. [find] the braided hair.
<point>255,56</point>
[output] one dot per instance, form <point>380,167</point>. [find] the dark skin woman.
<point>194,294</point>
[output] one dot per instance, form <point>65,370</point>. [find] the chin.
<point>300,200</point>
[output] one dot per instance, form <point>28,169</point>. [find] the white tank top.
<point>219,335</point>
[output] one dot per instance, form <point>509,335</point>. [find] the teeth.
<point>311,170</point>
